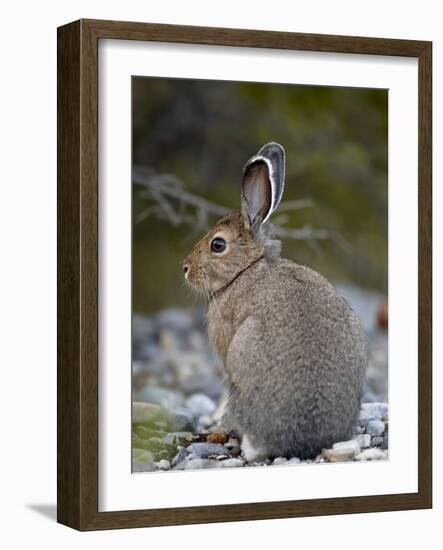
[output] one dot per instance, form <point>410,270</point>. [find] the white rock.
<point>352,446</point>
<point>163,464</point>
<point>200,405</point>
<point>205,421</point>
<point>294,460</point>
<point>279,461</point>
<point>364,440</point>
<point>374,453</point>
<point>341,451</point>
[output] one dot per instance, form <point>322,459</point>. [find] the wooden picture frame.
<point>77,455</point>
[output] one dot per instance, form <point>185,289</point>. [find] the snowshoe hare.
<point>294,351</point>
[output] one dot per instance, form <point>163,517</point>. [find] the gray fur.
<point>294,351</point>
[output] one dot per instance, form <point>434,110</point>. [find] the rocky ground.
<point>177,383</point>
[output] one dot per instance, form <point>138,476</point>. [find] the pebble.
<point>142,327</point>
<point>374,453</point>
<point>163,464</point>
<point>167,340</point>
<point>200,405</point>
<point>294,460</point>
<point>217,437</point>
<point>377,441</point>
<point>143,413</point>
<point>279,461</point>
<point>180,457</point>
<point>165,398</point>
<point>182,420</point>
<point>204,450</point>
<point>174,438</point>
<point>341,451</point>
<point>375,427</point>
<point>174,319</point>
<point>372,411</point>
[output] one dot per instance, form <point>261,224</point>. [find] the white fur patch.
<point>250,452</point>
<point>220,410</point>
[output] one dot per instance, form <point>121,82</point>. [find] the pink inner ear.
<point>257,192</point>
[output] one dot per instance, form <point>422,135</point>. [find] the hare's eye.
<point>218,245</point>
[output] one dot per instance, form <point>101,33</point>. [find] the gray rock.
<point>372,411</point>
<point>204,450</point>
<point>182,420</point>
<point>142,327</point>
<point>200,404</point>
<point>143,413</point>
<point>175,438</point>
<point>375,427</point>
<point>142,455</point>
<point>203,381</point>
<point>182,455</point>
<point>174,319</point>
<point>147,352</point>
<point>294,460</point>
<point>166,398</point>
<point>197,341</point>
<point>195,372</point>
<point>377,441</point>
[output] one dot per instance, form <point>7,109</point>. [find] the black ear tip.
<point>272,149</point>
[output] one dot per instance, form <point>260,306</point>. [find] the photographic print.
<point>259,275</point>
<point>244,233</point>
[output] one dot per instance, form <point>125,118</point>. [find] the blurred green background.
<point>202,132</point>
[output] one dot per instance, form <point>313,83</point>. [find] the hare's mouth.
<point>193,281</point>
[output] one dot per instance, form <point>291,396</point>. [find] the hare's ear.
<point>263,183</point>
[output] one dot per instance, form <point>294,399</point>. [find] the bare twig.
<point>179,207</point>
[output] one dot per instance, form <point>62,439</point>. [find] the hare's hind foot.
<point>251,452</point>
